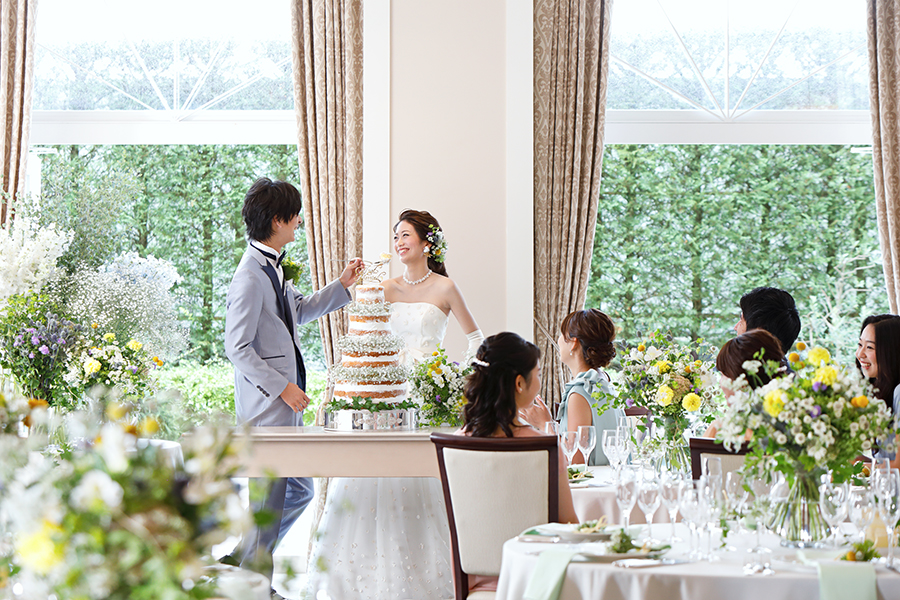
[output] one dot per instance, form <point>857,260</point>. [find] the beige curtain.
<point>327,58</point>
<point>884,95</point>
<point>17,19</point>
<point>571,61</point>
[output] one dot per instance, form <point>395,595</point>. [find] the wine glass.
<point>587,439</point>
<point>735,498</point>
<point>862,510</point>
<point>551,428</point>
<point>759,488</point>
<point>711,504</point>
<point>689,501</point>
<point>626,492</point>
<point>609,445</point>
<point>569,441</point>
<point>833,504</point>
<point>648,501</point>
<point>888,493</point>
<point>669,486</point>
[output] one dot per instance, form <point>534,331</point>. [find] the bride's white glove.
<point>475,338</point>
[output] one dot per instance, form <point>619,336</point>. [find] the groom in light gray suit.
<point>261,317</point>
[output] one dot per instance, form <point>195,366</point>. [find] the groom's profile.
<point>262,312</point>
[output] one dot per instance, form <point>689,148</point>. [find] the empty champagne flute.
<point>569,441</point>
<point>648,501</point>
<point>689,504</point>
<point>626,493</point>
<point>587,439</point>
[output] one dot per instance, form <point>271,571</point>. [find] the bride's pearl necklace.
<point>418,281</point>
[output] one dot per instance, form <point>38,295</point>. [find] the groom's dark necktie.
<point>285,310</point>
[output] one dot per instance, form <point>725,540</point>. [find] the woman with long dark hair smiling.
<point>878,359</point>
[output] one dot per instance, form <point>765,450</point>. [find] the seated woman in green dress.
<point>585,347</point>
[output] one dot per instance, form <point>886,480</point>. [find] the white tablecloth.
<point>598,498</point>
<point>692,581</point>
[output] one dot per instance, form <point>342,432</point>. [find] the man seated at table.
<point>771,309</point>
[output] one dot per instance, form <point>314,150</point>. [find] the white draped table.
<point>691,581</point>
<point>314,452</point>
<point>598,498</point>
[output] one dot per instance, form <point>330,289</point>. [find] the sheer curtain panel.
<point>571,62</point>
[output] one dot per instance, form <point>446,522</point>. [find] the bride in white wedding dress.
<point>389,538</point>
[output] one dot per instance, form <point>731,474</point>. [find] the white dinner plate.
<point>612,557</point>
<point>567,532</point>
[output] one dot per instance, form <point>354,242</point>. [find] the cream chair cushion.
<point>730,462</point>
<point>494,494</point>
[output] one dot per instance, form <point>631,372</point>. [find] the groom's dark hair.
<point>265,200</point>
<point>775,311</point>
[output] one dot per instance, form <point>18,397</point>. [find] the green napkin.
<point>839,580</point>
<point>548,576</point>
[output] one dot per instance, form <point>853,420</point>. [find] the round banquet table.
<point>691,581</point>
<point>598,497</point>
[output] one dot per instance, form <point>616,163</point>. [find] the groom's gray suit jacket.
<point>258,343</point>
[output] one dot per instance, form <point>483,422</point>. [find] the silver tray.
<point>364,420</point>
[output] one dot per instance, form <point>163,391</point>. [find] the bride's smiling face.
<point>407,243</point>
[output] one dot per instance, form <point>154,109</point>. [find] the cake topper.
<point>374,272</point>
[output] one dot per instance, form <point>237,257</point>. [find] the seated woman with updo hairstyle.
<point>756,344</point>
<point>585,347</point>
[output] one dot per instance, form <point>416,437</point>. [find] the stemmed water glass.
<point>710,490</point>
<point>551,428</point>
<point>862,510</point>
<point>669,486</point>
<point>735,498</point>
<point>648,501</point>
<point>609,443</point>
<point>587,439</point>
<point>762,504</point>
<point>690,505</point>
<point>569,442</point>
<point>887,491</point>
<point>626,492</point>
<point>833,504</point>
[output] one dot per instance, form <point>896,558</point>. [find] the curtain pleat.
<point>17,19</point>
<point>571,62</point>
<point>327,72</point>
<point>883,26</point>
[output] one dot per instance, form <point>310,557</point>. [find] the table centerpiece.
<point>807,423</point>
<point>675,383</point>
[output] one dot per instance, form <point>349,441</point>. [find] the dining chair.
<point>703,447</point>
<point>494,489</point>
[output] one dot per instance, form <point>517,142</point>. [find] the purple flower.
<point>35,340</point>
<point>818,386</point>
<point>18,342</point>
<point>44,350</point>
<point>629,402</point>
<point>816,411</point>
<point>31,355</point>
<point>437,399</point>
<point>133,369</point>
<point>62,341</point>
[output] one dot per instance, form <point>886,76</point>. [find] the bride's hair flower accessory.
<point>480,363</point>
<point>438,249</point>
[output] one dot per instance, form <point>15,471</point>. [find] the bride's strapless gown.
<point>388,538</point>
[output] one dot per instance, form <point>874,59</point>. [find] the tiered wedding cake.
<point>370,382</point>
<point>370,353</point>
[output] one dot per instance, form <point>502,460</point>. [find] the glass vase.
<point>675,454</point>
<point>797,517</point>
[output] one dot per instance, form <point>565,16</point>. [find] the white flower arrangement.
<point>28,255</point>
<point>437,384</point>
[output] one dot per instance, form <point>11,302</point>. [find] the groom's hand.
<point>352,271</point>
<point>294,397</point>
